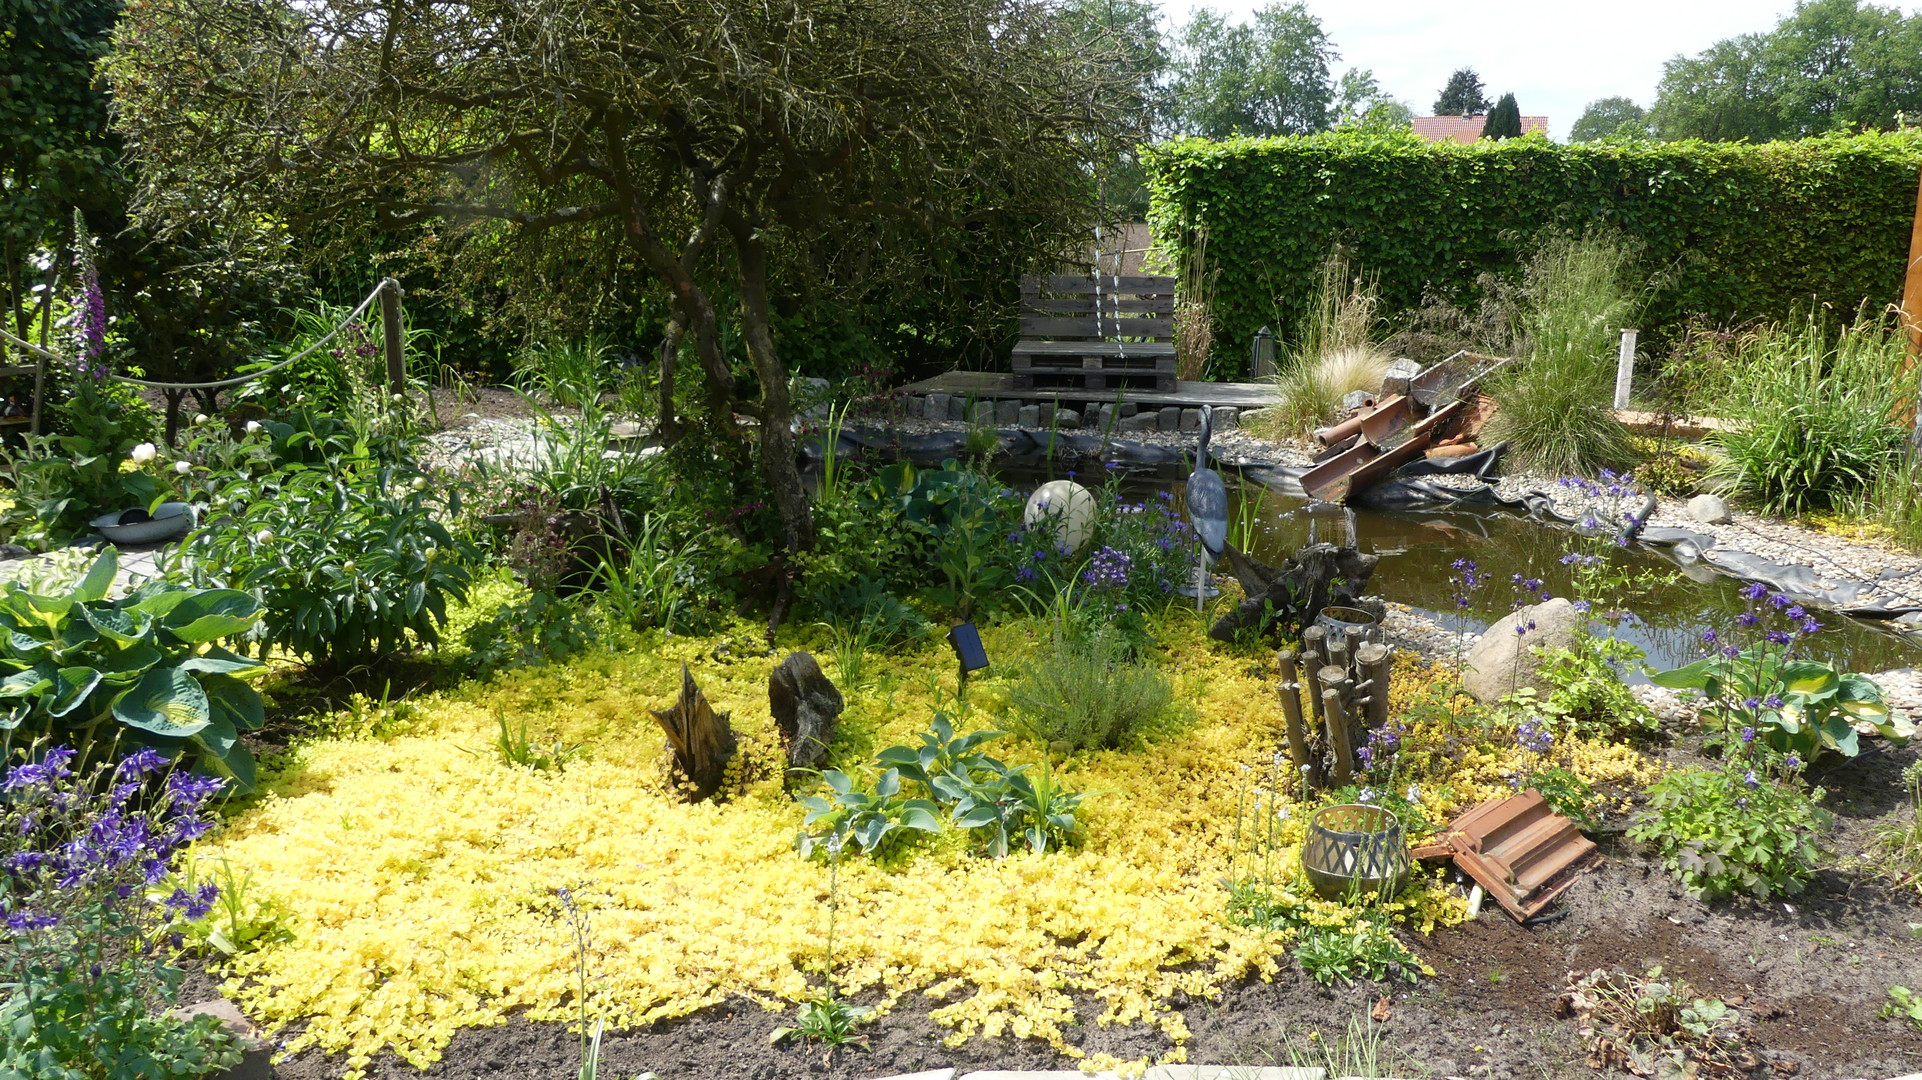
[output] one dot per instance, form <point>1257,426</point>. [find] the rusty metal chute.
<point>1427,411</point>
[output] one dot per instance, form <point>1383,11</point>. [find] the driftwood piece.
<point>1287,598</point>
<point>699,741</point>
<point>806,706</point>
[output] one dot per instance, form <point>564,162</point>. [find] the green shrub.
<point>540,628</point>
<point>350,565</point>
<point>1742,231</point>
<point>1554,403</point>
<point>1812,408</point>
<point>1084,691</point>
<point>1731,830</point>
<point>63,481</point>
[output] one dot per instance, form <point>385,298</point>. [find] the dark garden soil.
<point>1809,976</point>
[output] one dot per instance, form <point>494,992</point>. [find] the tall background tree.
<point>1504,120</point>
<point>1270,76</point>
<point>56,151</point>
<point>1610,117</point>
<point>1462,96</point>
<point>1831,65</point>
<point>731,150</point>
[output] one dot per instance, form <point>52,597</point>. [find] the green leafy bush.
<point>540,628</point>
<point>1745,231</point>
<point>351,565</point>
<point>63,481</point>
<point>1368,950</point>
<point>1730,830</point>
<point>996,805</point>
<point>1085,691</point>
<point>1586,693</point>
<point>143,670</point>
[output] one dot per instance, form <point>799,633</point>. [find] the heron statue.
<point>1207,508</point>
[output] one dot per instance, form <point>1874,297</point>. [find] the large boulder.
<point>805,707</point>
<point>1504,661</point>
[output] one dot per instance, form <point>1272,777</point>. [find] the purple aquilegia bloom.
<point>48,770</point>
<point>1755,591</point>
<point>1793,762</point>
<point>1533,736</point>
<point>1109,568</point>
<point>1581,606</point>
<point>1753,781</point>
<point>1748,735</point>
<point>1773,701</point>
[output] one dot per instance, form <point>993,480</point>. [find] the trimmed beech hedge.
<point>1737,231</point>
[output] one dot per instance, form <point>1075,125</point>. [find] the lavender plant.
<point>85,953</point>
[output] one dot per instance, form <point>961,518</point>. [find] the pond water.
<point>1417,552</point>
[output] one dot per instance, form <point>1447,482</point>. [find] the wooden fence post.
<point>1625,370</point>
<point>390,322</point>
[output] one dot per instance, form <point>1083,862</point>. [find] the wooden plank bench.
<point>1096,333</point>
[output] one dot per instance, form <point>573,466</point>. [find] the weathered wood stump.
<point>806,707</point>
<point>1287,598</point>
<point>700,742</point>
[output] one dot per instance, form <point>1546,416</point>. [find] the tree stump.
<point>806,707</point>
<point>1289,597</point>
<point>700,742</point>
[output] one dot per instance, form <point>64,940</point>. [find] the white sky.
<point>1556,56</point>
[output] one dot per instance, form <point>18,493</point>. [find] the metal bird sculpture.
<point>1207,507</point>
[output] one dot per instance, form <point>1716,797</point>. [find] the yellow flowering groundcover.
<point>421,869</point>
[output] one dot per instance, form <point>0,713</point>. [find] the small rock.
<point>1129,408</point>
<point>1504,661</point>
<point>1400,373</point>
<point>957,407</point>
<point>1357,399</point>
<point>1227,419</point>
<point>1169,418</point>
<point>1141,422</point>
<point>1007,413</point>
<point>1709,510</point>
<point>1191,419</point>
<point>1029,416</point>
<point>935,406</point>
<point>982,414</point>
<point>257,1060</point>
<point>1067,419</point>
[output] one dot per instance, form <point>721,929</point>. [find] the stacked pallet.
<point>1096,333</point>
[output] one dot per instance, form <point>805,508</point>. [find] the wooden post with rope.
<point>390,322</point>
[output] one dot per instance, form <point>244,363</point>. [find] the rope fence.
<point>387,292</point>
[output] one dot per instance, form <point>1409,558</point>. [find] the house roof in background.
<point>1467,129</point>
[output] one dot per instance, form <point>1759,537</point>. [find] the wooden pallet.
<point>1096,333</point>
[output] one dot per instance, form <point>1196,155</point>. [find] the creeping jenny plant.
<point>414,866</point>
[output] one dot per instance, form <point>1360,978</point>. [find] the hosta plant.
<point>142,670</point>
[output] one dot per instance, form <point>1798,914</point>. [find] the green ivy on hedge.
<point>1737,231</point>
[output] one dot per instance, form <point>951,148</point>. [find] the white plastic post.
<point>1625,369</point>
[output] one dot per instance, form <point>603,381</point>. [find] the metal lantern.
<point>1353,850</point>
<point>1262,353</point>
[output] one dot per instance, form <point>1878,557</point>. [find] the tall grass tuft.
<point>1814,409</point>
<point>1337,354</point>
<point>1194,311</point>
<point>571,373</point>
<point>1554,406</point>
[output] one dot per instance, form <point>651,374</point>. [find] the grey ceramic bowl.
<point>170,521</point>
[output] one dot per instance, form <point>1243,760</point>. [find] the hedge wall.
<point>1743,231</point>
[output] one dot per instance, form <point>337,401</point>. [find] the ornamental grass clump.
<point>1553,405</point>
<point>86,954</point>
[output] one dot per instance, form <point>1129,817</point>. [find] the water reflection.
<point>1417,551</point>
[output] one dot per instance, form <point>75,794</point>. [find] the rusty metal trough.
<point>1398,429</point>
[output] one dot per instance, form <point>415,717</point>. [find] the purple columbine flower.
<point>1581,606</point>
<point>1773,701</point>
<point>1748,735</point>
<point>1753,781</point>
<point>1778,637</point>
<point>1752,703</point>
<point>1780,600</point>
<point>1793,762</point>
<point>1755,591</point>
<point>141,762</point>
<point>1810,626</point>
<point>1747,619</point>
<point>1710,637</point>
<point>1731,651</point>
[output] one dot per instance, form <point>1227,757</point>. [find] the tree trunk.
<point>777,411</point>
<point>700,741</point>
<point>667,427</point>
